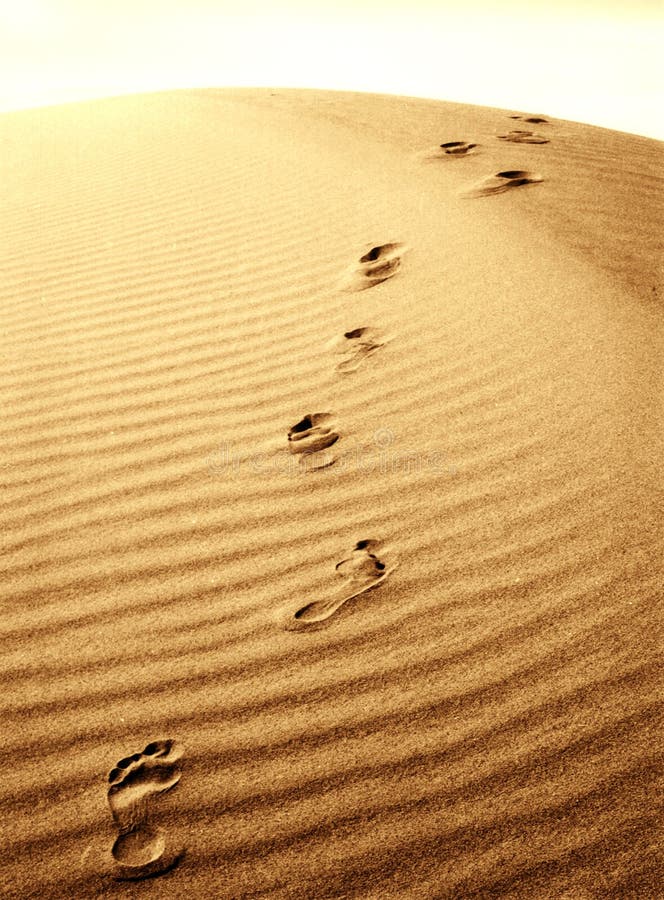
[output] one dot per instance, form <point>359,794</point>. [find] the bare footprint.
<point>375,266</point>
<point>533,120</point>
<point>356,345</point>
<point>140,850</point>
<point>362,571</point>
<point>523,137</point>
<point>502,181</point>
<point>450,149</point>
<point>312,437</point>
<point>457,148</point>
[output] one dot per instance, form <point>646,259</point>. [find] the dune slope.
<point>331,491</point>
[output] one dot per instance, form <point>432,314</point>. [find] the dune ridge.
<point>181,274</point>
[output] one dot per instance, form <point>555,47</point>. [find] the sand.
<point>332,506</point>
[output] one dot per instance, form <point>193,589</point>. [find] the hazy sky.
<point>596,61</point>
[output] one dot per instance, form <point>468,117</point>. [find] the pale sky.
<point>597,61</point>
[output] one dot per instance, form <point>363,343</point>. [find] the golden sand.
<point>331,454</point>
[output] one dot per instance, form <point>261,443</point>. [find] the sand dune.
<point>332,506</point>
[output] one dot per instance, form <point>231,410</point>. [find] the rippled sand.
<point>331,500</point>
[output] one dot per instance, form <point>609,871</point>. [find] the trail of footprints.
<point>141,848</point>
<point>509,178</point>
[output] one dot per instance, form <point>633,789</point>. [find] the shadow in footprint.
<point>502,181</point>
<point>376,265</point>
<point>355,346</point>
<point>362,571</point>
<point>140,849</point>
<point>523,137</point>
<point>311,438</point>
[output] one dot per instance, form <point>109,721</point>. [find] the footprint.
<point>457,148</point>
<point>361,571</point>
<point>140,850</point>
<point>523,137</point>
<point>435,153</point>
<point>312,437</point>
<point>533,120</point>
<point>376,265</point>
<point>356,345</point>
<point>502,181</point>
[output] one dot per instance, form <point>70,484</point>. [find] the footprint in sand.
<point>376,265</point>
<point>457,148</point>
<point>502,181</point>
<point>361,571</point>
<point>532,120</point>
<point>449,149</point>
<point>356,345</point>
<point>140,850</point>
<point>312,437</point>
<point>523,137</point>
